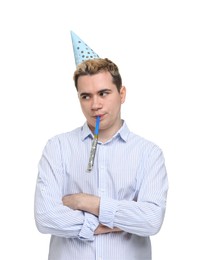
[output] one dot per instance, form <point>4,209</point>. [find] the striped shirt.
<point>129,176</point>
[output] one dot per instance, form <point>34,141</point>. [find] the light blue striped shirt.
<point>129,175</point>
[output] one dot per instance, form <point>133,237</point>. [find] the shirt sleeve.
<point>51,216</point>
<point>91,222</point>
<point>143,215</point>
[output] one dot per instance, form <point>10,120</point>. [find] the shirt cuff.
<point>108,208</point>
<point>90,224</point>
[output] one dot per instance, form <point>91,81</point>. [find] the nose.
<point>96,103</point>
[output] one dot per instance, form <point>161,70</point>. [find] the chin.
<point>91,124</point>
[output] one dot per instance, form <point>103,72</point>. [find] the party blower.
<point>94,145</point>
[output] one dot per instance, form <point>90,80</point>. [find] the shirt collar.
<point>123,132</point>
<point>85,132</point>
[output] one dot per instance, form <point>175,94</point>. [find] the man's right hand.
<point>101,229</point>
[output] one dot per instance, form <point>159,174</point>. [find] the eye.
<point>104,93</point>
<point>85,97</point>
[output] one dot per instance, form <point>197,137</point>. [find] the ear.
<point>123,94</point>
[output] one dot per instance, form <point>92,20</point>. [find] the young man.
<point>111,212</point>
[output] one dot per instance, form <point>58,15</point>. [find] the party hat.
<point>81,50</point>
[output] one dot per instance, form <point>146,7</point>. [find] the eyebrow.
<point>102,90</point>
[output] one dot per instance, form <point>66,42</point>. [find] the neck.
<point>105,135</point>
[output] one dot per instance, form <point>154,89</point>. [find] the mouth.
<point>100,115</point>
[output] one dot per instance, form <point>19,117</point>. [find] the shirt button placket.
<point>102,162</point>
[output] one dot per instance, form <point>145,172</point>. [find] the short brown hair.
<point>91,67</point>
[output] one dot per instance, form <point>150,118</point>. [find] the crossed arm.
<point>88,203</point>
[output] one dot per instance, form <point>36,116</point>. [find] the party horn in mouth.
<point>94,145</point>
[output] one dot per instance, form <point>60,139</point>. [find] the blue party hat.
<point>81,50</point>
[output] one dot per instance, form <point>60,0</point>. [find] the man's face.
<point>99,97</point>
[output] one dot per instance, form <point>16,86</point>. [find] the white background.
<point>157,46</point>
